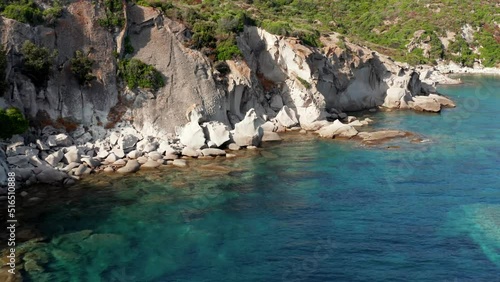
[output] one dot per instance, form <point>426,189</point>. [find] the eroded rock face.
<point>188,75</point>
<point>62,96</point>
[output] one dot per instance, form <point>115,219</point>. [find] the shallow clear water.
<point>304,210</point>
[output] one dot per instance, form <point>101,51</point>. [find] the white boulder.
<point>248,131</point>
<point>218,132</point>
<point>287,117</point>
<point>192,135</point>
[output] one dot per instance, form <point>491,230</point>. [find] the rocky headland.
<point>204,110</point>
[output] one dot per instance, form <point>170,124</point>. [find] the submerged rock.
<point>271,137</point>
<point>180,163</point>
<point>151,164</point>
<point>383,135</point>
<point>130,167</point>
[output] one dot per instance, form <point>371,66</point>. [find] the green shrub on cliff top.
<point>12,122</point>
<point>138,74</point>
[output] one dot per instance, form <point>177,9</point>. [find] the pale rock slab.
<point>61,140</point>
<point>337,129</point>
<point>54,158</point>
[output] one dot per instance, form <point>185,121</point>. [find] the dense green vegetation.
<point>386,26</point>
<point>27,11</point>
<point>81,67</point>
<point>12,122</point>
<point>37,62</point>
<point>138,74</point>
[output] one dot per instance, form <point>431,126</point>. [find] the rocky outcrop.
<point>279,85</point>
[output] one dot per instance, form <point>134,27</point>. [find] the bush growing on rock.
<point>12,122</point>
<point>127,45</point>
<point>50,15</point>
<point>204,35</point>
<point>138,74</point>
<point>114,14</point>
<point>81,67</point>
<point>227,50</point>
<point>37,61</point>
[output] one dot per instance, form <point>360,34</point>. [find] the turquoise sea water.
<point>303,210</point>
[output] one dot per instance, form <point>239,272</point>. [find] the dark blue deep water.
<point>303,210</point>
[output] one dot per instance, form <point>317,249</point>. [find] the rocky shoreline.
<point>60,158</point>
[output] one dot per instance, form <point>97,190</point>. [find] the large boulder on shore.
<point>337,128</point>
<point>127,142</point>
<point>73,155</point>
<point>217,132</point>
<point>192,135</point>
<point>61,140</point>
<point>287,117</point>
<point>426,104</point>
<point>54,158</point>
<point>248,131</point>
<point>397,98</point>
